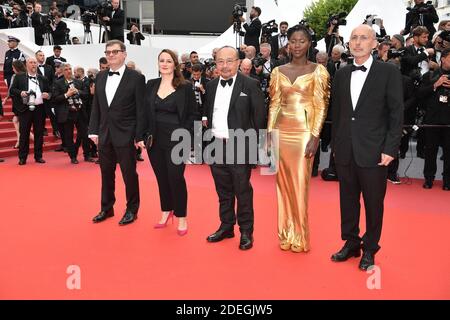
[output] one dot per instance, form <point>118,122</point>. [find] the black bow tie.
<point>283,35</point>
<point>31,77</point>
<point>225,82</point>
<point>360,68</point>
<point>41,66</point>
<point>111,73</point>
<point>421,50</point>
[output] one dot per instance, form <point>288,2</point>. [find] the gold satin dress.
<point>297,110</point>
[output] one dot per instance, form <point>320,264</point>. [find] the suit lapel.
<point>124,80</point>
<point>236,91</point>
<point>212,97</point>
<point>101,84</point>
<point>347,87</point>
<point>370,81</point>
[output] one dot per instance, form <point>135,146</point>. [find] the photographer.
<point>252,28</point>
<point>18,19</point>
<point>135,36</point>
<point>416,58</point>
<point>115,20</point>
<point>280,40</point>
<point>423,14</point>
<point>69,94</point>
<point>382,51</point>
<point>59,30</point>
<point>56,56</point>
<point>29,90</point>
<point>38,22</point>
<point>332,38</point>
<point>435,88</point>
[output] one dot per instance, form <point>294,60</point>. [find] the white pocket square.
<point>242,95</point>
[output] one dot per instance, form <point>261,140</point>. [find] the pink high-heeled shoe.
<point>182,232</point>
<point>163,225</point>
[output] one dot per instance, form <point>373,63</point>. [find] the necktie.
<point>31,77</point>
<point>225,82</point>
<point>111,73</point>
<point>360,68</point>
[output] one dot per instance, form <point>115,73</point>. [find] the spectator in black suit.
<point>38,21</point>
<point>252,28</point>
<point>56,55</point>
<point>421,15</point>
<point>18,18</point>
<point>59,30</point>
<point>435,88</point>
<point>115,22</point>
<point>280,40</point>
<point>135,36</point>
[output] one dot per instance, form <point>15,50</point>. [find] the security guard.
<point>11,55</point>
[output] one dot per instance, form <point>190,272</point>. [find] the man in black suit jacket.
<point>59,30</point>
<point>423,15</point>
<point>115,22</point>
<point>38,22</point>
<point>233,102</point>
<point>118,121</point>
<point>253,29</point>
<point>69,94</point>
<point>280,40</point>
<point>56,56</point>
<point>30,113</point>
<point>367,104</point>
<point>135,36</point>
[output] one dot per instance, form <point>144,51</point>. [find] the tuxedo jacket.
<point>51,61</point>
<point>247,108</point>
<point>375,126</point>
<point>411,60</point>
<point>48,73</point>
<point>59,35</point>
<point>135,40</point>
<point>252,33</point>
<point>116,24</point>
<point>125,119</point>
<point>185,100</point>
<point>61,102</point>
<point>21,84</point>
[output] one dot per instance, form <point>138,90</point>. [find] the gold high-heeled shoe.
<point>284,245</point>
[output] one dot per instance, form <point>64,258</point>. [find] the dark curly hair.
<point>299,28</point>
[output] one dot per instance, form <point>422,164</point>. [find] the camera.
<point>423,9</point>
<point>88,16</point>
<point>372,19</point>
<point>306,24</point>
<point>347,57</point>
<point>30,100</point>
<point>209,63</point>
<point>392,53</point>
<point>337,20</point>
<point>269,27</point>
<point>238,11</point>
<point>105,9</point>
<point>445,35</point>
<point>259,60</point>
<point>197,86</point>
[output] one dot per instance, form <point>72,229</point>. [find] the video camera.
<point>209,63</point>
<point>267,29</point>
<point>393,53</point>
<point>337,20</point>
<point>422,9</point>
<point>104,10</point>
<point>372,19</point>
<point>88,16</point>
<point>306,24</point>
<point>238,11</point>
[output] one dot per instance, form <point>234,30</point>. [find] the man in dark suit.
<point>12,54</point>
<point>280,40</point>
<point>115,22</point>
<point>31,112</point>
<point>135,36</point>
<point>69,94</point>
<point>367,104</point>
<point>118,121</point>
<point>56,55</point>
<point>59,30</point>
<point>233,101</point>
<point>38,22</point>
<point>253,28</point>
<point>421,15</point>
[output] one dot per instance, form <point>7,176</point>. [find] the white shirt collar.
<point>121,70</point>
<point>366,64</point>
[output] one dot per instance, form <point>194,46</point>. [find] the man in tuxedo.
<point>233,101</point>
<point>118,121</point>
<point>56,55</point>
<point>367,105</point>
<point>59,30</point>
<point>421,15</point>
<point>35,87</point>
<point>115,22</point>
<point>38,20</point>
<point>280,40</point>
<point>252,28</point>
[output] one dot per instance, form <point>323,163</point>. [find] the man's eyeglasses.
<point>113,52</point>
<point>222,62</point>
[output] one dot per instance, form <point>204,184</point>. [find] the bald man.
<point>367,105</point>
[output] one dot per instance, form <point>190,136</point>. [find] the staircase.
<point>8,136</point>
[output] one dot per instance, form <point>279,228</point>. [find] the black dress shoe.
<point>346,253</point>
<point>246,241</point>
<point>220,234</point>
<point>367,260</point>
<point>428,184</point>
<point>315,172</point>
<point>128,218</point>
<point>103,215</point>
<point>74,161</point>
<point>446,186</point>
<point>40,160</point>
<point>89,159</point>
<point>22,162</point>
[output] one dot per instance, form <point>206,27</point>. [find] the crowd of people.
<point>374,92</point>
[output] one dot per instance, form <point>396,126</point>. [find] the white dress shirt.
<point>33,85</point>
<point>221,106</point>
<point>112,83</point>
<point>358,79</point>
<point>423,65</point>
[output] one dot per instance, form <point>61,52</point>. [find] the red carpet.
<point>46,213</point>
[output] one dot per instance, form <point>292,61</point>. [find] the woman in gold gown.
<point>299,94</point>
